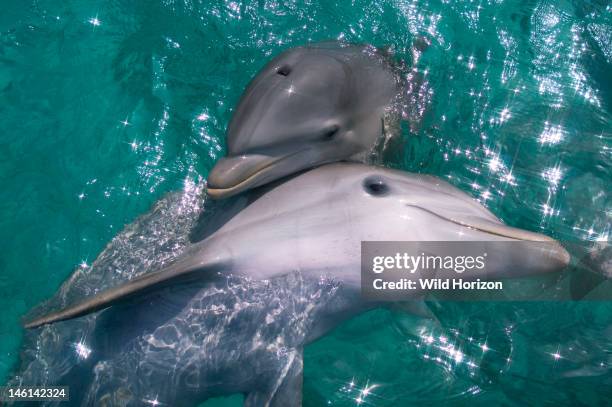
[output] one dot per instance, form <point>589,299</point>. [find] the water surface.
<point>107,105</point>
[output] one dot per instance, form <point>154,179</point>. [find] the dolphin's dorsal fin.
<point>187,268</point>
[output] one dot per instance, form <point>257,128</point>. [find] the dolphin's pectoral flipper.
<point>592,269</point>
<point>286,390</point>
<point>419,308</point>
<point>187,268</point>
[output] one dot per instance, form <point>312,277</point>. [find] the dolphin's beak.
<point>526,247</point>
<point>234,174</point>
<point>525,252</point>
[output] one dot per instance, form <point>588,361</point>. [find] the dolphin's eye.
<point>330,133</point>
<point>375,186</point>
<point>284,70</point>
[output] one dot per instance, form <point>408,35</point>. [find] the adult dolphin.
<point>281,273</point>
<point>310,105</point>
<point>315,223</point>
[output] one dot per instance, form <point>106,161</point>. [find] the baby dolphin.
<point>315,222</point>
<point>310,105</point>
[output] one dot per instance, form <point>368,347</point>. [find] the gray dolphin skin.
<point>281,273</point>
<point>310,105</point>
<point>315,223</point>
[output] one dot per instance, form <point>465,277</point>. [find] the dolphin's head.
<point>308,106</point>
<point>398,206</point>
<point>331,209</point>
<point>317,220</point>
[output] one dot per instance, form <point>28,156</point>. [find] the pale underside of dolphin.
<point>316,222</point>
<point>310,105</point>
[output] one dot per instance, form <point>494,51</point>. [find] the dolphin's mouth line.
<point>247,180</point>
<point>518,235</point>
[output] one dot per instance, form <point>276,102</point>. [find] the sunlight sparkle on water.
<point>82,350</point>
<point>547,210</point>
<point>495,164</point>
<point>471,64</point>
<point>556,355</point>
<point>94,21</point>
<point>458,356</point>
<point>366,391</point>
<point>455,354</point>
<point>504,115</point>
<point>356,393</point>
<point>553,175</point>
<point>509,178</point>
<point>551,134</point>
<point>153,402</point>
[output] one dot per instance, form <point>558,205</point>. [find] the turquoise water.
<point>107,105</point>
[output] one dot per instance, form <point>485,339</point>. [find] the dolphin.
<point>279,274</point>
<point>315,223</point>
<point>310,105</point>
